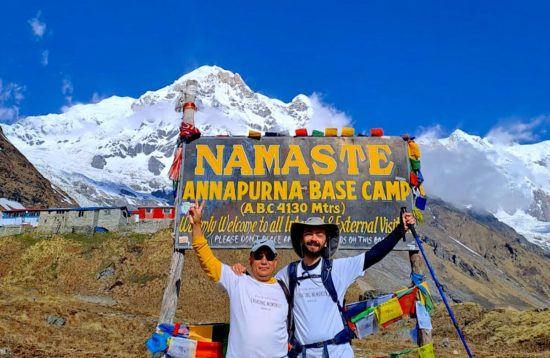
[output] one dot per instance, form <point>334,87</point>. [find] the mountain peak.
<point>459,137</point>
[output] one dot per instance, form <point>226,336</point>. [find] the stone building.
<point>83,220</point>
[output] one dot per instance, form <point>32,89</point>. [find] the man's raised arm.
<point>381,249</point>
<point>209,263</point>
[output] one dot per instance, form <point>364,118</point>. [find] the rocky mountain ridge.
<point>476,258</point>
<point>20,181</point>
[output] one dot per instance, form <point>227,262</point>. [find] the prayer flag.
<point>407,302</point>
<point>426,351</point>
<point>254,134</point>
<point>201,333</point>
<point>209,349</point>
<point>301,132</point>
<point>388,311</point>
<point>414,334</point>
<point>331,132</point>
<point>422,316</point>
<point>381,299</point>
<point>348,132</point>
<point>366,325</point>
<point>182,348</point>
<point>425,296</point>
<point>389,323</point>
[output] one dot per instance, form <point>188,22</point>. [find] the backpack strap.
<point>326,276</point>
<point>289,316</point>
<point>292,271</point>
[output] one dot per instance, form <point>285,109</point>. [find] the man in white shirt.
<point>320,330</point>
<point>258,305</point>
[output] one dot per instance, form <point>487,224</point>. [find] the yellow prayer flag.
<point>426,351</point>
<point>254,134</point>
<point>331,132</point>
<point>421,190</point>
<point>201,333</point>
<point>348,132</point>
<point>388,311</point>
<point>425,284</point>
<point>414,150</point>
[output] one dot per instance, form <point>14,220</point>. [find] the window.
<point>80,214</point>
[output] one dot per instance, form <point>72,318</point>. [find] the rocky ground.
<point>100,296</point>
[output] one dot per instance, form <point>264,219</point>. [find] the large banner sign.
<point>258,188</point>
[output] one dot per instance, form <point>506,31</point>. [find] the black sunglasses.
<point>269,255</point>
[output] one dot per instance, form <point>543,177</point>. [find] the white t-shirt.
<point>258,313</point>
<point>316,316</point>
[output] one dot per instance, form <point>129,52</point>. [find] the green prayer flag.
<point>363,314</point>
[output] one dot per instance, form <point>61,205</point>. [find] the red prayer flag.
<point>407,302</point>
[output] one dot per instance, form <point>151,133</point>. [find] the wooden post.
<point>424,335</point>
<point>171,292</point>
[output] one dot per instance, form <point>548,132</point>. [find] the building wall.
<point>61,222</point>
<point>161,213</point>
<point>85,222</point>
<point>81,221</point>
<point>15,230</point>
<point>20,220</point>
<point>112,219</point>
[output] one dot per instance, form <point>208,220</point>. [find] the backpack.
<point>344,336</point>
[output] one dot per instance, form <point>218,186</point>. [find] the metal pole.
<point>436,281</point>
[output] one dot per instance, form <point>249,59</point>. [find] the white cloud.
<point>38,27</point>
<point>468,176</point>
<point>9,114</point>
<point>96,97</point>
<point>430,133</point>
<point>11,95</point>
<point>67,89</point>
<point>514,130</point>
<point>326,116</point>
<point>45,57</point>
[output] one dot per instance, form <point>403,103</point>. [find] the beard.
<point>308,252</point>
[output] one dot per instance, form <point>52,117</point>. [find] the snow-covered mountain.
<point>118,151</point>
<point>510,181</point>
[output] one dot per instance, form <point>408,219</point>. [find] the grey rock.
<point>445,343</point>
<point>108,271</point>
<point>540,208</point>
<point>155,166</point>
<point>148,148</point>
<point>102,300</point>
<point>55,320</point>
<point>5,351</point>
<point>98,162</point>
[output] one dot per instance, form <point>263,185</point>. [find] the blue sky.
<point>405,66</point>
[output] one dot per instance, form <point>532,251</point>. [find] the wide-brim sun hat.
<point>297,233</point>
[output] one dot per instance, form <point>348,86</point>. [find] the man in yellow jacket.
<point>258,306</point>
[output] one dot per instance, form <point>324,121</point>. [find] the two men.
<point>319,328</point>
<point>258,305</point>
